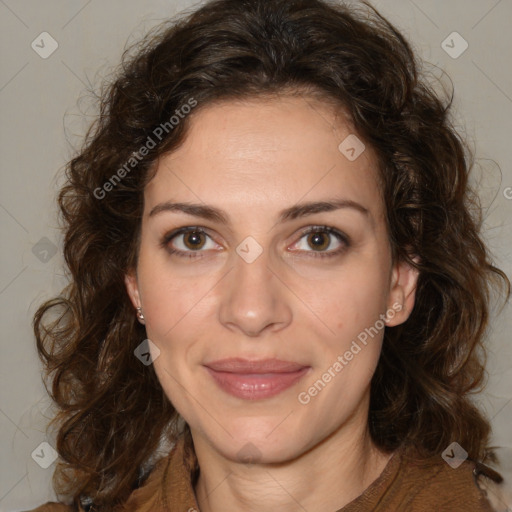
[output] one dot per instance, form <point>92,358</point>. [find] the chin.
<point>258,440</point>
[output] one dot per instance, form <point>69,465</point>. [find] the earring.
<point>140,315</point>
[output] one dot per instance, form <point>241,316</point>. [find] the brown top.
<point>407,484</point>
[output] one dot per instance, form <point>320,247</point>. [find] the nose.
<point>254,298</point>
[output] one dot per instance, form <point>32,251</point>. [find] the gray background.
<point>43,120</point>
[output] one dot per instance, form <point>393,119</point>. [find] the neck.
<point>326,477</point>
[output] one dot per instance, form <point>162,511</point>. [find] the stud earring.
<point>140,315</point>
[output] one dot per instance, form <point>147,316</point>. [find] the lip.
<point>240,365</point>
<point>256,379</point>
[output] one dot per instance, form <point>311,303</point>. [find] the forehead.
<point>264,153</point>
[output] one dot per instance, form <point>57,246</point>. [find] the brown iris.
<point>318,240</point>
<point>194,239</point>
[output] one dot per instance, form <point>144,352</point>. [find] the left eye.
<point>321,240</point>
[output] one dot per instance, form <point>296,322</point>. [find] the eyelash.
<point>312,229</point>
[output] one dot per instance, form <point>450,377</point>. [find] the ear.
<point>132,287</point>
<point>404,279</point>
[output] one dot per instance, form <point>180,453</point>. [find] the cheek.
<point>177,310</point>
<point>168,297</point>
<point>351,301</point>
<point>348,356</point>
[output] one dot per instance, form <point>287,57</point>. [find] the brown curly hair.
<point>112,411</point>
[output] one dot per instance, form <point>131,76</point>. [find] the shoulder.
<point>149,496</point>
<point>433,484</point>
<point>143,499</point>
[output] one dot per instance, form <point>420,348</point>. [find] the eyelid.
<point>166,239</point>
<point>180,231</point>
<point>342,238</point>
<point>325,229</point>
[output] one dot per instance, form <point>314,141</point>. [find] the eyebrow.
<point>294,212</point>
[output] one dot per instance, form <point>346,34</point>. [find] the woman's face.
<point>286,258</point>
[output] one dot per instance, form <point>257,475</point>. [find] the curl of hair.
<point>112,411</point>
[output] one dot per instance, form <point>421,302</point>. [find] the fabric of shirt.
<point>407,484</point>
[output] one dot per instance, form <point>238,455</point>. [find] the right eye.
<point>185,241</point>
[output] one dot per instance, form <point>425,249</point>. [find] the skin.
<point>253,159</point>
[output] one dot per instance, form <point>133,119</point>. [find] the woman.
<point>278,289</point>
